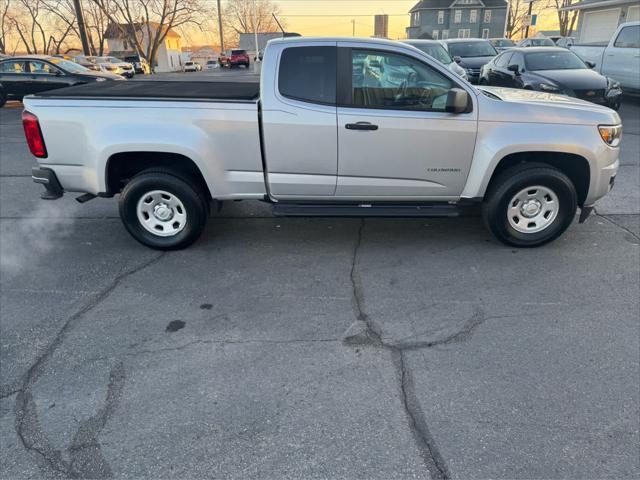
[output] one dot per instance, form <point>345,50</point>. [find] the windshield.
<point>211,62</point>
<point>504,42</point>
<point>109,60</point>
<point>238,52</point>
<point>542,42</point>
<point>471,49</point>
<point>435,51</point>
<point>564,60</point>
<point>131,59</point>
<point>70,67</point>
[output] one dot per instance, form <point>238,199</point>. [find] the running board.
<point>364,210</point>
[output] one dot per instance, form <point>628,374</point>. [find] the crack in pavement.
<point>85,462</point>
<point>365,332</point>
<point>613,222</point>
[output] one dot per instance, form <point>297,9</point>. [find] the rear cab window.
<point>309,74</point>
<point>629,37</point>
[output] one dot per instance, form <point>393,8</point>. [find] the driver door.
<point>395,140</point>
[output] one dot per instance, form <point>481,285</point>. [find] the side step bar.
<point>364,210</point>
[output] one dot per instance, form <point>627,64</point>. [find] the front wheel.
<point>163,210</point>
<point>530,205</point>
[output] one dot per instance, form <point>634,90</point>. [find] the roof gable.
<point>445,4</point>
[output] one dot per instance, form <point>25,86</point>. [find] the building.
<point>169,56</point>
<point>598,19</point>
<point>381,26</point>
<point>442,19</point>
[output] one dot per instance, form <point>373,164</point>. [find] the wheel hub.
<point>162,212</point>
<point>531,208</point>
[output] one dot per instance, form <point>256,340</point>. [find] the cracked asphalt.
<point>316,348</point>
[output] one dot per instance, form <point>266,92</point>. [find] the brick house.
<point>442,19</point>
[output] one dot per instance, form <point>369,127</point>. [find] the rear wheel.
<point>3,97</point>
<point>530,205</point>
<point>163,210</point>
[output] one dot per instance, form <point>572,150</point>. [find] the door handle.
<point>361,126</point>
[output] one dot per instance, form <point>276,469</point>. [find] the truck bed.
<point>211,90</point>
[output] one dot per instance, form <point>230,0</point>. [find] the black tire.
<point>512,181</point>
<point>185,189</point>
<point>3,97</point>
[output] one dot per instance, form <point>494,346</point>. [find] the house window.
<point>445,34</point>
<point>457,16</point>
<point>464,33</point>
<point>487,16</point>
<point>473,16</point>
<point>434,34</point>
<point>415,19</point>
<point>440,17</point>
<point>485,33</point>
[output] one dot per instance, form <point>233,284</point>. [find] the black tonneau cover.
<point>211,90</point>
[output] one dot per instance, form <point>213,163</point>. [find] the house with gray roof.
<point>442,19</point>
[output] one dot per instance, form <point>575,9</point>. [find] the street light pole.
<point>220,27</point>
<point>256,66</point>
<point>81,27</point>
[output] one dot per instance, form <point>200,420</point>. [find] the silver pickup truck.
<point>337,127</point>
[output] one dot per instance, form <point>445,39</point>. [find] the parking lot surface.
<point>315,348</point>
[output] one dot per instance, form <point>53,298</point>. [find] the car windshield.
<point>238,52</point>
<point>504,42</point>
<point>542,42</point>
<point>565,60</point>
<point>131,59</point>
<point>471,49</point>
<point>70,67</point>
<point>435,51</point>
<point>109,60</point>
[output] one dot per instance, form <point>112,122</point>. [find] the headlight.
<point>612,83</point>
<point>100,79</point>
<point>547,87</point>
<point>611,134</point>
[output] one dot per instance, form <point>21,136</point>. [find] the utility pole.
<point>82,28</point>
<point>353,23</point>
<point>256,62</point>
<point>220,27</point>
<point>526,31</point>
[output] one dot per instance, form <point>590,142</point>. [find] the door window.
<point>391,81</point>
<point>517,59</point>
<point>503,60</point>
<point>42,68</point>
<point>629,37</point>
<point>308,74</point>
<point>12,66</point>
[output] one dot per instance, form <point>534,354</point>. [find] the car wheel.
<point>3,98</point>
<point>163,210</point>
<point>529,205</point>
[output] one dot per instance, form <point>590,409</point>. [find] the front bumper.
<point>47,177</point>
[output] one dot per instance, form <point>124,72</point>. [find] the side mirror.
<point>457,59</point>
<point>457,101</point>
<point>590,64</point>
<point>514,68</point>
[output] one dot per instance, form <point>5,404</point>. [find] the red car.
<point>234,58</point>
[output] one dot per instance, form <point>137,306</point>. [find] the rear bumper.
<point>47,178</point>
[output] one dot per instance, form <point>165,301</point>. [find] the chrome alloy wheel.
<point>161,213</point>
<point>533,209</point>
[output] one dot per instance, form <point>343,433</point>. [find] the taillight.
<point>34,134</point>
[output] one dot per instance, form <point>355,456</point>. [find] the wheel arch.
<point>122,166</point>
<point>572,165</point>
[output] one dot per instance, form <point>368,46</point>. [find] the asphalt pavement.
<point>315,348</point>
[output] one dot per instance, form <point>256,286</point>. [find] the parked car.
<point>564,42</point>
<point>435,50</point>
<point>211,65</point>
<point>140,64</point>
<point>471,54</point>
<point>30,74</point>
<point>424,145</point>
<point>551,70</point>
<point>87,62</point>
<point>189,67</point>
<point>536,42</point>
<point>502,44</point>
<point>121,68</point>
<point>234,58</point>
<point>619,58</point>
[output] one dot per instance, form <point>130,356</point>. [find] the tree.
<point>37,30</point>
<point>145,24</point>
<point>4,25</point>
<point>239,17</point>
<point>566,18</point>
